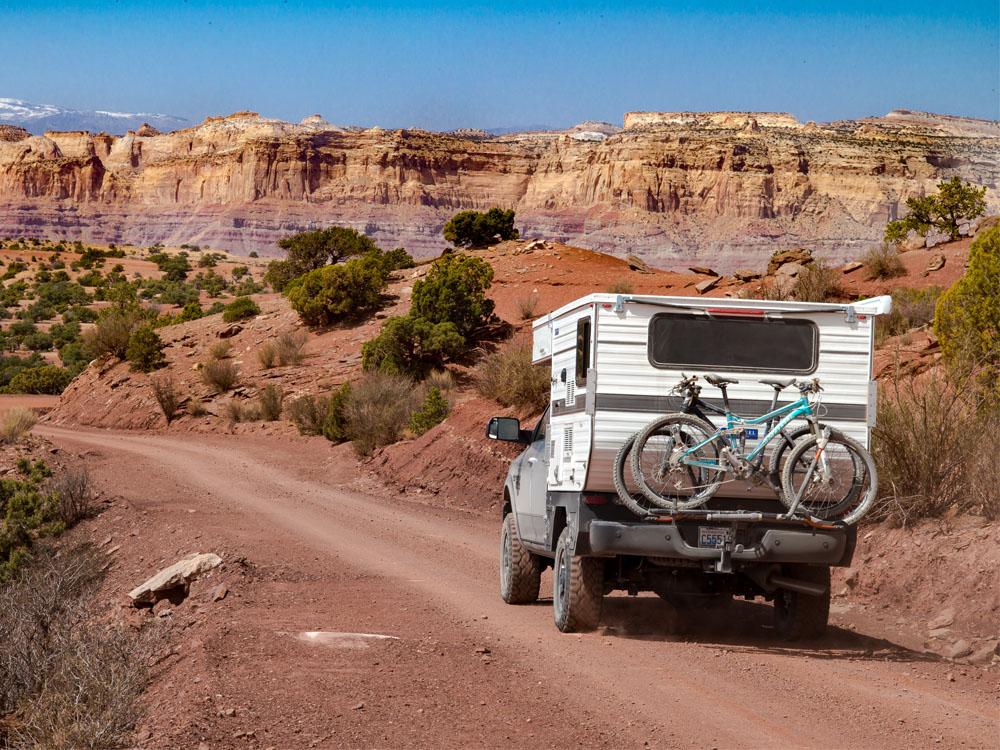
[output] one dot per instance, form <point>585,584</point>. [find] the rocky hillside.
<point>721,188</point>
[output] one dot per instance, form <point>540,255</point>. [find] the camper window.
<point>582,351</point>
<point>701,342</point>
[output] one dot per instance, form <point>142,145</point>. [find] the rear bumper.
<point>774,545</point>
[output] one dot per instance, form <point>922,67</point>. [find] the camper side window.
<point>582,351</point>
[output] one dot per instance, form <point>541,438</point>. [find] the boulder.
<point>636,263</point>
<point>789,270</point>
<point>746,275</point>
<point>945,618</point>
<point>702,271</point>
<point>802,256</point>
<point>229,331</point>
<point>177,577</point>
<point>958,649</point>
<point>853,266</point>
<point>707,285</point>
<point>936,263</point>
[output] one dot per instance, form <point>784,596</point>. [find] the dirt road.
<point>321,554</point>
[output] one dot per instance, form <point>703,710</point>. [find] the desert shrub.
<point>288,347</point>
<point>967,320</point>
<point>240,308</point>
<point>930,445</point>
<point>16,423</point>
<point>526,306</point>
<point>267,355</point>
<point>215,309</point>
<point>411,346</point>
<point>477,229</point>
<point>238,410</point>
<point>191,311</point>
<point>396,259</point>
<point>210,282</point>
<point>767,289</point>
<point>335,427</point>
<point>508,377</point>
<point>219,374</point>
<point>247,286</point>
<point>307,413</point>
<point>41,379</point>
<point>333,293</point>
<point>454,291</point>
<point>165,391</point>
<point>75,357</point>
<point>378,410</point>
<point>308,251</point>
<point>174,267</point>
<point>221,350</point>
<point>432,411</point>
<point>111,335</point>
<point>64,333</point>
<point>76,496</point>
<point>269,402</point>
<point>443,380</point>
<point>239,272</point>
<point>145,350</point>
<point>911,308</point>
<point>817,282</point>
<point>883,262</point>
<point>196,408</point>
<point>620,286</point>
<point>79,315</point>
<point>27,512</point>
<point>38,342</point>
<point>73,680</point>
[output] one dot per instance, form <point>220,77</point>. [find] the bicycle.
<point>680,460</point>
<point>694,405</point>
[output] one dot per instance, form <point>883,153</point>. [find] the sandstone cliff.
<point>726,188</point>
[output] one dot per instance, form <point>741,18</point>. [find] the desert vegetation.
<point>508,377</point>
<point>956,201</point>
<point>477,229</point>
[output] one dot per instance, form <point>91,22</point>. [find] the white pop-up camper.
<point>615,358</point>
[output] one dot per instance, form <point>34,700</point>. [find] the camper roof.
<point>722,305</point>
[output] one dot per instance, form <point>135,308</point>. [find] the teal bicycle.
<point>680,460</point>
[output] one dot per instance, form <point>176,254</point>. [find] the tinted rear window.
<point>705,343</point>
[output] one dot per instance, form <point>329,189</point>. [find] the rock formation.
<point>723,189</point>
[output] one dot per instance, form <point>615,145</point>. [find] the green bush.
<point>310,251</point>
<point>956,201</point>
<point>145,350</point>
<point>454,291</point>
<point>476,229</point>
<point>411,346</point>
<point>111,334</point>
<point>397,259</point>
<point>333,293</point>
<point>335,426</point>
<point>240,308</point>
<point>508,377</point>
<point>307,414</point>
<point>967,320</point>
<point>42,379</point>
<point>431,412</point>
<point>269,402</point>
<point>26,513</point>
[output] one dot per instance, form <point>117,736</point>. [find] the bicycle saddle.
<point>779,384</point>
<point>717,381</point>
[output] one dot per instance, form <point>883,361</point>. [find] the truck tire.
<point>577,589</point>
<point>801,616</point>
<point>520,570</point>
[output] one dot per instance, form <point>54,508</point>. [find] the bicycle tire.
<point>675,501</point>
<point>618,478</point>
<point>857,497</point>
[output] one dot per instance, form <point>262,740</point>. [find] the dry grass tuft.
<point>288,348</point>
<point>167,397</point>
<point>221,350</point>
<point>308,414</point>
<point>883,262</point>
<point>620,286</point>
<point>16,423</point>
<point>508,377</point>
<point>76,496</point>
<point>238,410</point>
<point>219,374</point>
<point>269,402</point>
<point>267,355</point>
<point>817,282</point>
<point>526,306</point>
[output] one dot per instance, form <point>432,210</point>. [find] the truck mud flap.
<point>659,540</point>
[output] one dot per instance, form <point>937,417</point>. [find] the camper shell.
<point>613,360</point>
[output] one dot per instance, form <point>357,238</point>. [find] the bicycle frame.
<point>790,412</point>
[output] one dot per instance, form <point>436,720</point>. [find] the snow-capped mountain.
<point>37,118</point>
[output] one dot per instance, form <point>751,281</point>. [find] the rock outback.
<point>671,188</point>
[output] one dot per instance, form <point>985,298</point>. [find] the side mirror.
<point>504,428</point>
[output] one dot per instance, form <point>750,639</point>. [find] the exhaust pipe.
<point>793,584</point>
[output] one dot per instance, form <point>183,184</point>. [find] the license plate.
<point>714,536</point>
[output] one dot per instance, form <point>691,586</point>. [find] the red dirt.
<point>305,550</point>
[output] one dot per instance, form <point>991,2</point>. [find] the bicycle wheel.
<point>618,477</point>
<point>836,483</point>
<point>780,452</point>
<point>657,467</point>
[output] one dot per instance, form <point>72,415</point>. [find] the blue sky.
<point>450,64</point>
